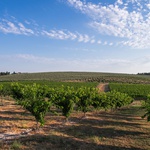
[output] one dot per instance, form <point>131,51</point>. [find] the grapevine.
<point>32,98</point>
<point>146,106</point>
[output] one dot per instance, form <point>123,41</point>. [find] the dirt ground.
<point>120,130</point>
<point>103,87</point>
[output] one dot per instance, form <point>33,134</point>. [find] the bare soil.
<point>103,87</point>
<point>120,130</point>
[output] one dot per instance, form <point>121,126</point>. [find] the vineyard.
<point>139,91</point>
<point>39,99</point>
<point>78,77</point>
<point>42,99</point>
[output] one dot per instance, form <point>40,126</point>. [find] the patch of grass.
<point>135,109</point>
<point>97,139</point>
<point>16,145</point>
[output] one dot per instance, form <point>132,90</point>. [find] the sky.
<point>75,35</point>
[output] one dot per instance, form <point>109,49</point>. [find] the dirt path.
<point>103,87</point>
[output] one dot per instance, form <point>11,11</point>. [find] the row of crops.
<point>136,91</point>
<point>39,100</point>
<point>139,91</point>
<point>77,76</point>
<point>51,84</point>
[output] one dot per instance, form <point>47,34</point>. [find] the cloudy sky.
<point>75,35</point>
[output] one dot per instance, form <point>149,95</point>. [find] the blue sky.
<point>75,35</point>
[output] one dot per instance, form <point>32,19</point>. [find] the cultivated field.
<point>108,125</point>
<point>78,77</point>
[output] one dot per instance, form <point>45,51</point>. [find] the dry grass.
<point>121,130</point>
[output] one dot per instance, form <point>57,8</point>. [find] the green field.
<point>134,90</point>
<point>78,77</point>
<point>136,86</point>
<point>52,84</point>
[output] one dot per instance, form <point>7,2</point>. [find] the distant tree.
<point>4,73</point>
<point>144,73</point>
<point>14,72</point>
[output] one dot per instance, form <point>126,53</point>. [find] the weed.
<point>96,139</point>
<point>16,145</point>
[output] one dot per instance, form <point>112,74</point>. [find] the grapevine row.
<point>133,90</point>
<point>38,100</point>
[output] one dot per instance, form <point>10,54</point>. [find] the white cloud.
<point>105,43</point>
<point>76,36</point>
<point>119,2</point>
<point>128,20</point>
<point>110,44</point>
<point>129,27</point>
<point>83,38</point>
<point>92,41</point>
<point>99,42</point>
<point>27,22</point>
<point>148,5</point>
<point>24,30</point>
<point>67,35</point>
<point>59,34</point>
<point>14,27</point>
<point>33,58</point>
<point>29,64</point>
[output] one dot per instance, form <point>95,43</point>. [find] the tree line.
<point>4,73</point>
<point>144,73</point>
<point>7,73</point>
